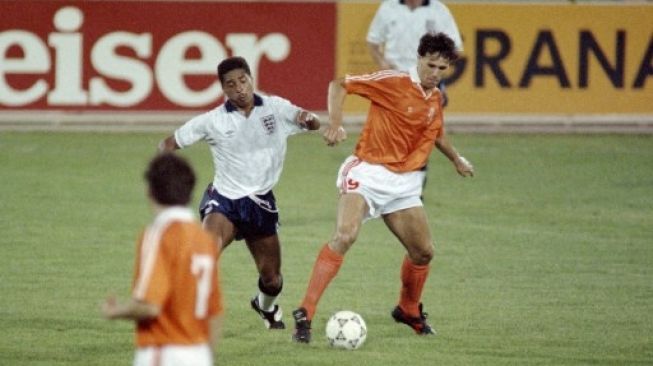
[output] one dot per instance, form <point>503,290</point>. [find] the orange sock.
<point>325,269</point>
<point>413,278</point>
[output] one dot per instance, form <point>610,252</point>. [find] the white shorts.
<point>384,190</point>
<point>174,355</point>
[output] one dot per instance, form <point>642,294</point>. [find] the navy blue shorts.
<point>253,216</point>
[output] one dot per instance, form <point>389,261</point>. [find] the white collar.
<point>176,213</point>
<point>414,76</point>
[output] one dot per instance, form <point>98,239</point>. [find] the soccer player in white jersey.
<point>394,33</point>
<point>247,137</point>
<point>398,25</point>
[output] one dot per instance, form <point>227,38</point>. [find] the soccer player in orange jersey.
<point>384,176</point>
<point>176,300</point>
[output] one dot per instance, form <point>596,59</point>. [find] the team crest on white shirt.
<point>269,123</point>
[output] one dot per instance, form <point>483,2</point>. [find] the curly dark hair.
<point>171,179</point>
<point>437,43</point>
<point>232,63</point>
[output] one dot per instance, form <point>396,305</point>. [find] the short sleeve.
<point>152,284</point>
<point>194,130</point>
<point>159,287</point>
<point>377,31</point>
<point>287,113</point>
<point>378,87</point>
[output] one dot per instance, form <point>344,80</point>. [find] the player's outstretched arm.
<point>334,132</point>
<point>463,167</point>
<point>168,144</point>
<point>132,310</point>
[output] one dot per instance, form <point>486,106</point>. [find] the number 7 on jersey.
<point>202,269</point>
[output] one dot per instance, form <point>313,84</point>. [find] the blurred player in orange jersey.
<point>176,300</point>
<point>384,176</point>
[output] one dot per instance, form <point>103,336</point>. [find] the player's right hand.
<point>333,135</point>
<point>109,307</point>
<point>464,167</point>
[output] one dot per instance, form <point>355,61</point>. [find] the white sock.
<point>266,302</point>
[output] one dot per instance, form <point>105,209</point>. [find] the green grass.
<point>544,258</point>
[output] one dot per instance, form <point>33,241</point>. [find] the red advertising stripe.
<point>159,55</point>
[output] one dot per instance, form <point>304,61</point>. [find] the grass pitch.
<point>544,258</point>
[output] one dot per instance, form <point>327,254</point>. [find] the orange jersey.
<point>402,123</point>
<point>176,269</point>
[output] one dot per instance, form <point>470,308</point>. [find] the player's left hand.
<point>464,167</point>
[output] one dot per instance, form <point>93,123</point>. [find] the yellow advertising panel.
<point>533,58</point>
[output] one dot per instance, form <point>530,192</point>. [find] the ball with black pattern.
<point>346,329</point>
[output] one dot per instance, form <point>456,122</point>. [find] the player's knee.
<point>271,284</point>
<point>422,257</point>
<point>343,239</point>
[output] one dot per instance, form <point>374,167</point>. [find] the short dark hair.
<point>437,43</point>
<point>232,63</point>
<point>171,179</point>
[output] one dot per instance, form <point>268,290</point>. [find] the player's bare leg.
<point>266,252</point>
<point>351,211</point>
<point>221,228</point>
<point>410,226</point>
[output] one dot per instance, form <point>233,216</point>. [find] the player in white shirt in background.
<point>397,27</point>
<point>247,137</point>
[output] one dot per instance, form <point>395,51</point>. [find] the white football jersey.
<point>400,29</point>
<point>248,152</point>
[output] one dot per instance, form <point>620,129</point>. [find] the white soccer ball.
<point>346,329</point>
